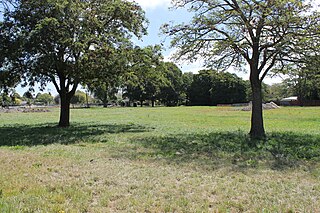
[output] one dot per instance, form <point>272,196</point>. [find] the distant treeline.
<point>170,87</point>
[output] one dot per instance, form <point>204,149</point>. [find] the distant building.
<point>290,101</point>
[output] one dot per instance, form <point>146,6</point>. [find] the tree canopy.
<point>145,77</point>
<point>171,91</point>
<point>210,88</point>
<point>305,80</point>
<point>44,98</point>
<point>79,98</point>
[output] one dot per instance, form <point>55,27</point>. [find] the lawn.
<point>181,159</point>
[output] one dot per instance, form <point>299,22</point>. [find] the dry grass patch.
<point>91,179</point>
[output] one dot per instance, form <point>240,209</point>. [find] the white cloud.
<point>185,66</point>
<point>152,4</point>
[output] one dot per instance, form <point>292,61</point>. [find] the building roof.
<point>293,98</point>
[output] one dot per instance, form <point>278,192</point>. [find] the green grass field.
<point>183,159</point>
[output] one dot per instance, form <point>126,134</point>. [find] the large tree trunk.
<point>152,102</point>
<point>105,100</point>
<point>64,110</point>
<point>65,99</point>
<point>257,127</point>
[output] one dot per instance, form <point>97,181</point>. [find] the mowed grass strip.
<point>183,159</point>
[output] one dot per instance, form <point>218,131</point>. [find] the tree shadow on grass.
<point>45,134</point>
<point>279,151</point>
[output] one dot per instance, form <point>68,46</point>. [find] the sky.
<point>159,12</point>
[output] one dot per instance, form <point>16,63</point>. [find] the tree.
<point>105,87</point>
<point>5,100</point>
<point>9,97</point>
<point>304,80</point>
<point>68,42</point>
<point>8,79</point>
<point>78,98</point>
<point>227,88</point>
<point>15,98</point>
<point>105,92</point>
<point>187,79</point>
<point>210,88</point>
<point>28,96</point>
<point>171,91</point>
<point>145,78</point>
<point>199,92</point>
<point>44,98</point>
<point>232,33</point>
